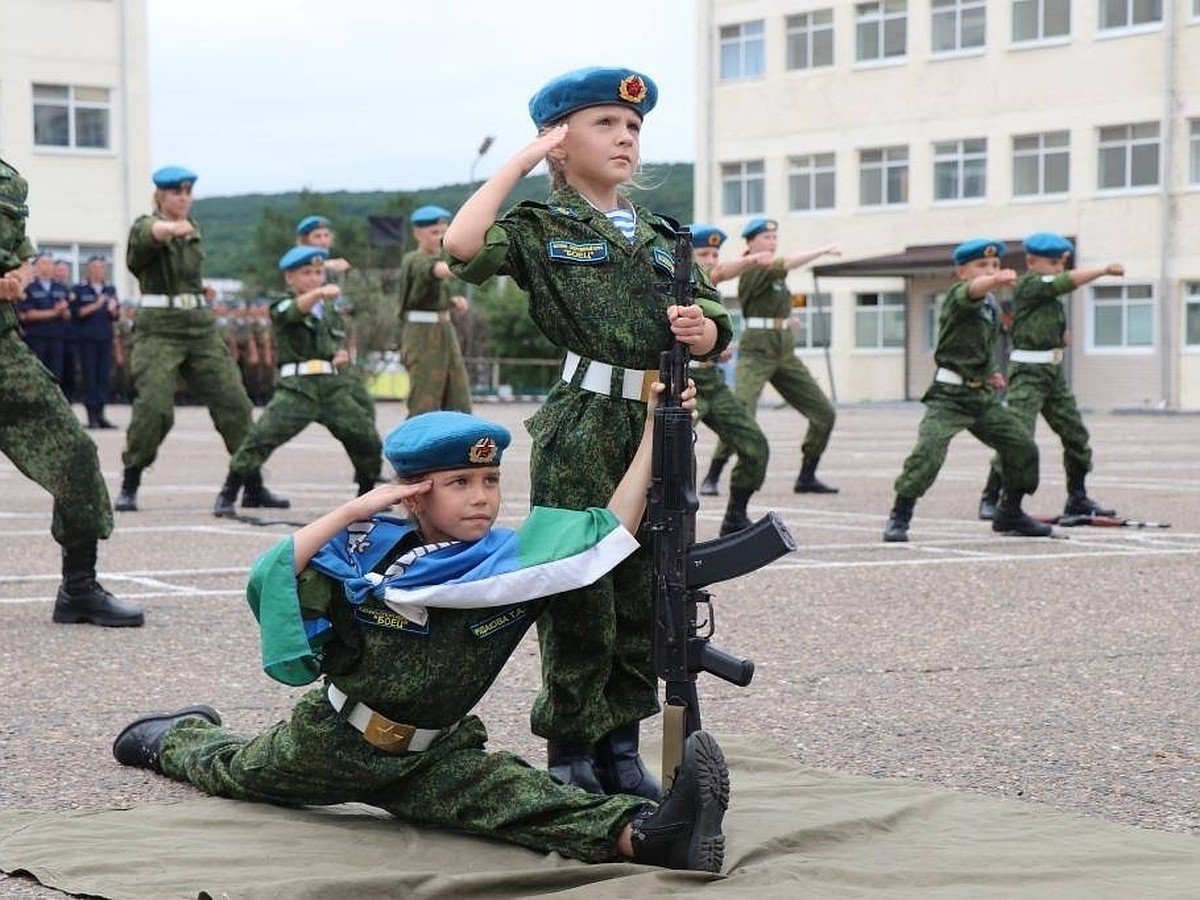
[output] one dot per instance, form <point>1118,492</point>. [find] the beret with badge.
<point>302,256</point>
<point>593,86</point>
<point>173,177</point>
<point>430,215</point>
<point>758,225</point>
<point>444,439</point>
<point>311,223</point>
<point>706,235</point>
<point>1048,244</point>
<point>978,248</point>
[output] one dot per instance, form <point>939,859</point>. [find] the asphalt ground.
<point>1055,671</point>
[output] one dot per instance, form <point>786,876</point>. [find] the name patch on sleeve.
<point>584,252</point>
<point>485,628</point>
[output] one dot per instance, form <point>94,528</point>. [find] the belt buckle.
<point>973,384</point>
<point>312,366</point>
<point>389,736</point>
<point>1056,355</point>
<point>648,378</point>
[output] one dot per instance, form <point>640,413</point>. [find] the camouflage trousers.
<point>436,370</point>
<point>299,401</point>
<point>1035,390</point>
<point>171,344</point>
<point>45,441</point>
<point>734,425</point>
<point>316,758</point>
<point>595,642</point>
<point>950,409</point>
<point>360,378</point>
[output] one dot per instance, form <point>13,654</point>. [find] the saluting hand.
<point>383,497</point>
<point>541,146</point>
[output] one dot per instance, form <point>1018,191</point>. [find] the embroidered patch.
<point>387,618</point>
<point>663,260</point>
<point>585,252</point>
<point>485,628</point>
<point>563,211</point>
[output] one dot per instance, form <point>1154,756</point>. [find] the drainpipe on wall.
<point>123,26</point>
<point>1167,305</point>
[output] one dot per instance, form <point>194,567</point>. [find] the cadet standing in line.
<point>1036,381</point>
<point>45,314</point>
<point>177,336</point>
<point>597,269</point>
<point>963,396</point>
<point>428,342</point>
<point>94,308</point>
<point>766,353</point>
<point>313,386</point>
<point>41,436</point>
<point>719,409</point>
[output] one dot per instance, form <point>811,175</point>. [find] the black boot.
<point>140,742</point>
<point>620,769</point>
<point>896,530</point>
<point>130,482</point>
<point>807,481</point>
<point>256,495</point>
<point>91,423</point>
<point>574,764</point>
<point>1079,503</point>
<point>990,496</point>
<point>1011,519</point>
<point>735,513</point>
<point>82,599</point>
<point>102,422</point>
<point>684,831</point>
<point>223,506</point>
<point>708,487</point>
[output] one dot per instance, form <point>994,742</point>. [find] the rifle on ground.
<point>683,568</point>
<point>1072,521</point>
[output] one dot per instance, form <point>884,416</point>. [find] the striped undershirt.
<point>625,221</point>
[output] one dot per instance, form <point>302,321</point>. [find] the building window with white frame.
<point>743,188</point>
<point>813,322</point>
<point>881,30</point>
<point>960,169</point>
<point>1194,150</point>
<point>811,182</point>
<point>1040,20</point>
<point>66,116</point>
<point>1119,14</point>
<point>810,39</point>
<point>879,321</point>
<point>1191,313</point>
<point>1128,156</point>
<point>1122,317</point>
<point>883,176</point>
<point>1041,164</point>
<point>743,50</point>
<point>958,25</point>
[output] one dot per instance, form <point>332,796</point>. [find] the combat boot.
<point>131,480</point>
<point>82,599</point>
<point>619,768</point>
<point>990,496</point>
<point>574,764</point>
<point>684,831</point>
<point>223,506</point>
<point>896,530</point>
<point>1082,505</point>
<point>1011,519</point>
<point>807,481</point>
<point>708,487</point>
<point>736,518</point>
<point>140,742</point>
<point>255,495</point>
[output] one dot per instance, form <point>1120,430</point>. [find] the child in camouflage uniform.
<point>410,621</point>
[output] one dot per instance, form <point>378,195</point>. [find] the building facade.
<point>901,127</point>
<point>75,120</point>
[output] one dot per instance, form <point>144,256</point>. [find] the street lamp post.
<point>484,146</point>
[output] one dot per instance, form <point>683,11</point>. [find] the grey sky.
<point>277,95</point>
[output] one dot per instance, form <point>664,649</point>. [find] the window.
<point>811,182</point>
<point>1191,313</point>
<point>1194,150</point>
<point>883,176</point>
<point>1040,20</point>
<point>78,255</point>
<point>71,117</point>
<point>743,50</point>
<point>881,30</point>
<point>1128,156</point>
<point>813,322</point>
<point>743,188</point>
<point>1041,164</point>
<point>958,25</point>
<point>1122,316</point>
<point>810,39</point>
<point>960,169</point>
<point>879,320</point>
<point>1129,13</point>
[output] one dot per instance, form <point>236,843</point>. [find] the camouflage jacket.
<point>173,267</point>
<point>1039,319</point>
<point>300,336</point>
<point>15,246</point>
<point>967,333</point>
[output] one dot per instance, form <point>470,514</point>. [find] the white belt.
<point>760,322</point>
<point>427,317</point>
<point>380,731</point>
<point>1054,356</point>
<point>946,376</point>
<point>308,367</point>
<point>171,301</point>
<point>635,383</point>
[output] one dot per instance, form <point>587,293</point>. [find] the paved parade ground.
<point>1059,671</point>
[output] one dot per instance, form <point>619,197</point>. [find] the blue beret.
<point>312,223</point>
<point>430,215</point>
<point>707,235</point>
<point>173,177</point>
<point>438,440</point>
<point>592,87</point>
<point>302,256</point>
<point>978,248</point>
<point>1047,243</point>
<point>757,225</point>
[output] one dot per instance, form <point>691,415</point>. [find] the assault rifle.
<point>683,568</point>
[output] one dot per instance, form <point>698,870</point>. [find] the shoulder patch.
<point>284,305</point>
<point>583,252</point>
<point>563,211</point>
<point>663,259</point>
<point>1049,278</point>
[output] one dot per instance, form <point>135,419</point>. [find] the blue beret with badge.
<point>758,225</point>
<point>978,248</point>
<point>311,223</point>
<point>302,256</point>
<point>706,235</point>
<point>1048,244</point>
<point>173,177</point>
<point>430,215</point>
<point>594,86</point>
<point>443,439</point>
